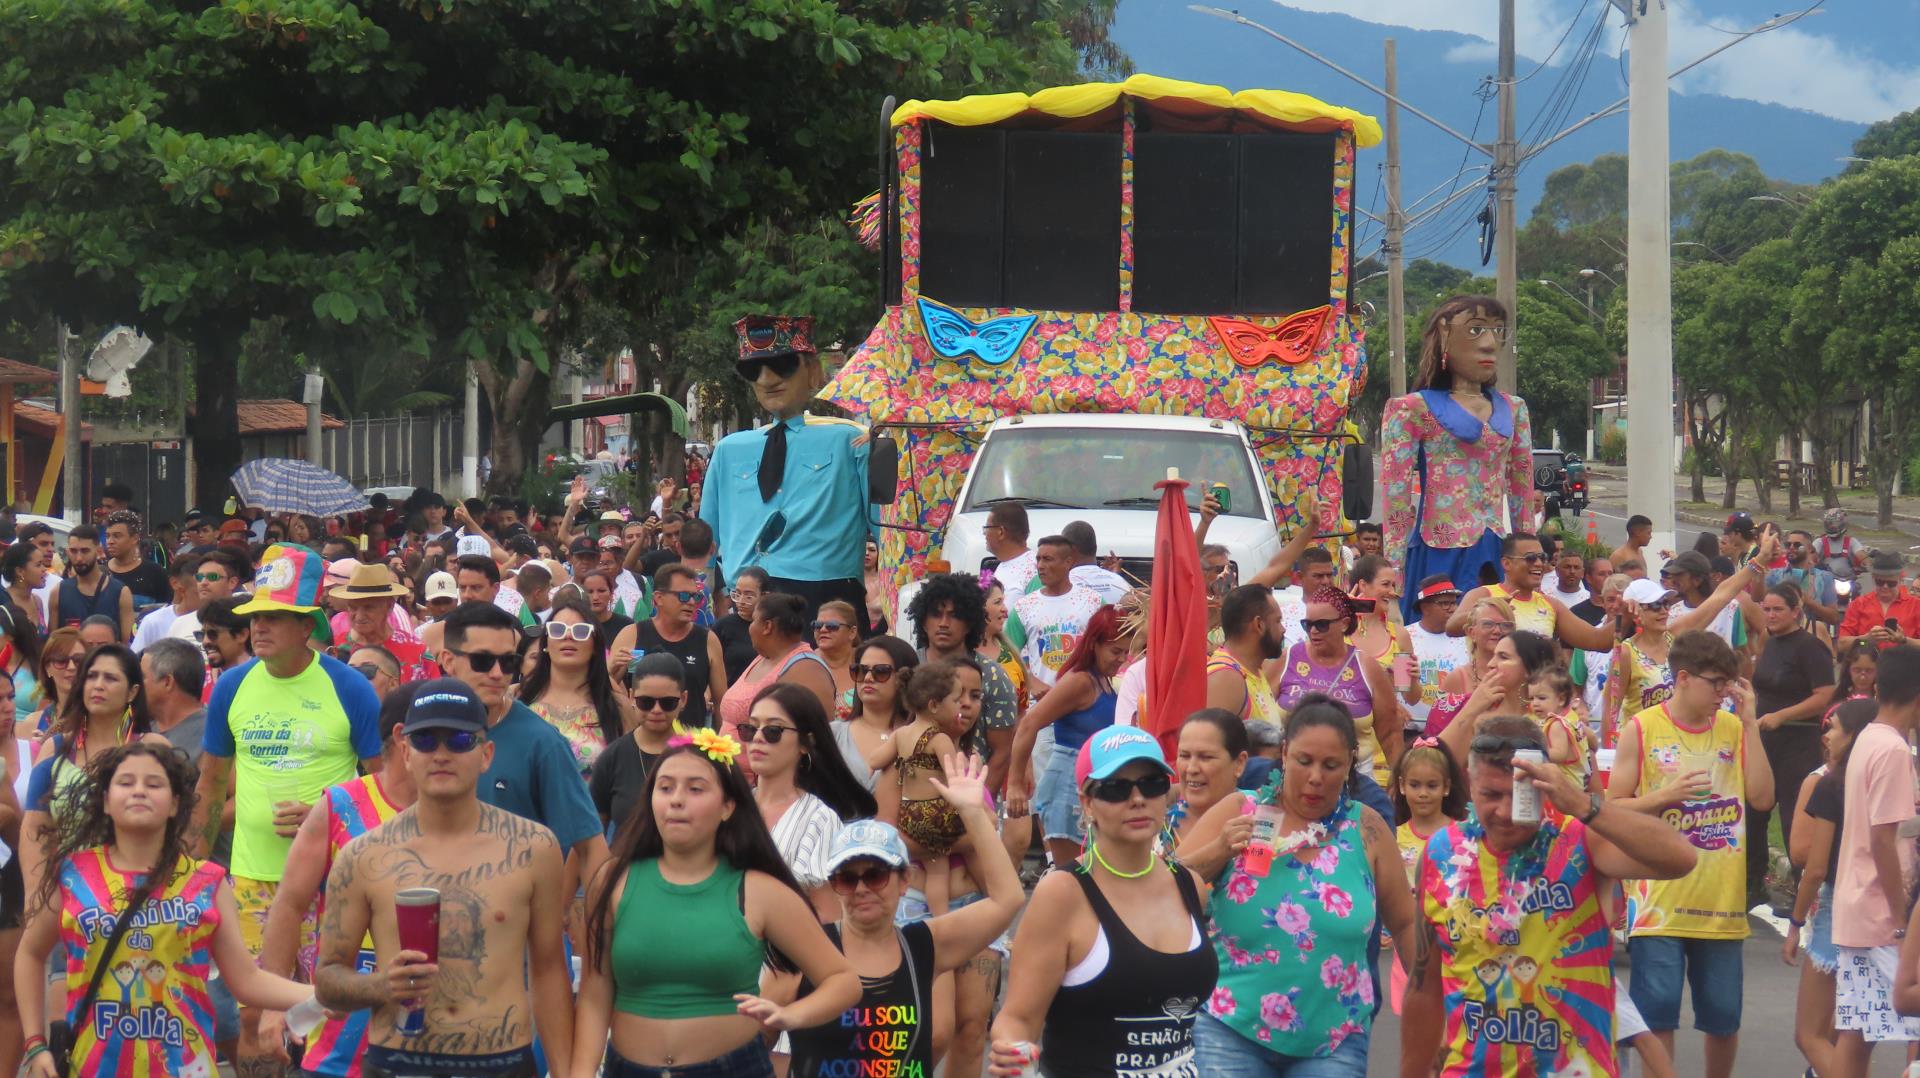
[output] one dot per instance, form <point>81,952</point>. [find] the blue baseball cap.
<point>868,838</point>
<point>1113,748</point>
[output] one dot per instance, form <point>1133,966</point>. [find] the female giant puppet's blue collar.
<point>1461,423</point>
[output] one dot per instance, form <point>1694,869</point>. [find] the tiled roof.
<point>35,420</point>
<point>278,417</point>
<point>12,370</point>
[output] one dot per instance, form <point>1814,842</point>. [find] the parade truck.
<point>1086,286</point>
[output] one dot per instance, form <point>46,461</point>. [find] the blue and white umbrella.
<point>279,485</point>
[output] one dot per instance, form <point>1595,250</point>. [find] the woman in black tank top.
<point>1112,960</point>
<point>691,650</point>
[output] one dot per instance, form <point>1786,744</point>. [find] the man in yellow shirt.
<point>1698,767</point>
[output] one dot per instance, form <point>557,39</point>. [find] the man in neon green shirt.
<point>281,728</point>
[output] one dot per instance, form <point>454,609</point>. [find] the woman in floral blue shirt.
<point>1291,928</point>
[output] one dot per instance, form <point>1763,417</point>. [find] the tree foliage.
<point>433,181</point>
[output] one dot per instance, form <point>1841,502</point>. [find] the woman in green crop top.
<point>693,902</point>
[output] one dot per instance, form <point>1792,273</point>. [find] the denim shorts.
<point>1662,964</point>
<point>1057,799</point>
<point>1222,1053</point>
<point>1821,953</point>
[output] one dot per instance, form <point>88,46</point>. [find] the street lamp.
<point>1782,199</point>
<point>1563,291</point>
<point>1706,247</point>
<point>1590,273</point>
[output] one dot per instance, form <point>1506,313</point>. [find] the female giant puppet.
<point>1454,449</point>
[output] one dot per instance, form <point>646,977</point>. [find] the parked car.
<point>1562,478</point>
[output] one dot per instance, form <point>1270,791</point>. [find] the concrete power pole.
<point>1506,161</point>
<point>312,392</point>
<point>73,499</point>
<point>470,436</point>
<point>1650,463</point>
<point>1396,234</point>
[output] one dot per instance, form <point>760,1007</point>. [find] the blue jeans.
<point>1661,964</point>
<point>1222,1053</point>
<point>1057,799</point>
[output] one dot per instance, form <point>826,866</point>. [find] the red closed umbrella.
<point>1177,626</point>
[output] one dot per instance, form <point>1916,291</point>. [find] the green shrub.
<point>1612,447</point>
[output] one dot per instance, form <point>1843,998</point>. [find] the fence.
<point>420,449</point>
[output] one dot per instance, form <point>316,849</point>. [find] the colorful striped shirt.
<point>152,1017</point>
<point>353,808</point>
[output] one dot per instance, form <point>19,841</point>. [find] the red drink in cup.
<point>418,911</point>
<point>1259,853</point>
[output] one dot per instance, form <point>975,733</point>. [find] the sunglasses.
<point>668,704</point>
<point>210,578</point>
<point>1488,745</point>
<point>829,626</point>
<point>454,740</point>
<point>684,596</point>
<point>1119,791</point>
<point>68,661</point>
<point>579,630</point>
<point>1486,626</point>
<point>846,881</point>
<point>370,670</point>
<point>1659,604</point>
<point>1532,558</point>
<point>483,662</point>
<point>1317,625</point>
<point>781,366</point>
<point>769,734</point>
<point>876,672</point>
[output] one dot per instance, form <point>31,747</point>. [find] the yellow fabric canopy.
<point>1072,102</point>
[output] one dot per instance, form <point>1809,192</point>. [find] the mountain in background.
<point>1439,74</point>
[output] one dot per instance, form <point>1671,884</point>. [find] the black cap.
<point>522,544</point>
<point>1740,524</point>
<point>445,704</point>
<point>584,545</point>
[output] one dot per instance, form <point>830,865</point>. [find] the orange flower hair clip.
<point>718,747</point>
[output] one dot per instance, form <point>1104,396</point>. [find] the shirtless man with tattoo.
<point>499,878</point>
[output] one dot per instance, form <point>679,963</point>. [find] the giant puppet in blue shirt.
<point>791,497</point>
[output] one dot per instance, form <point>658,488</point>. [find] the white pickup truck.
<point>1101,468</point>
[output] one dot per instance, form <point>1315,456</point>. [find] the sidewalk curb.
<point>1691,517</point>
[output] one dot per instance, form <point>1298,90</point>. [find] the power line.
<point>1564,34</point>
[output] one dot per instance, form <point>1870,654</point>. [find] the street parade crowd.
<point>451,788</point>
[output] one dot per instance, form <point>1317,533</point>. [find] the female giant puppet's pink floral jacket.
<point>1461,478</point>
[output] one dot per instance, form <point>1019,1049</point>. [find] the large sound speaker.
<point>1063,220</point>
<point>962,214</point>
<point>1286,221</point>
<point>1186,201</point>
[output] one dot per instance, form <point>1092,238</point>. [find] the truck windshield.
<point>1100,468</point>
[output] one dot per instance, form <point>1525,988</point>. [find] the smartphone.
<point>1893,625</point>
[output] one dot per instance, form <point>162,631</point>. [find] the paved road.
<point>1766,1041</point>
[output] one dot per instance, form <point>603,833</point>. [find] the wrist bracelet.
<point>35,1040</point>
<point>1796,922</point>
<point>34,1050</point>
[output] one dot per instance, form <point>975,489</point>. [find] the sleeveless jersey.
<point>1710,901</point>
<point>1535,615</point>
<point>353,808</point>
<point>152,1017</point>
<point>1524,957</point>
<point>1261,703</point>
<point>1345,683</point>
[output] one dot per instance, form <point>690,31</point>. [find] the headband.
<point>718,747</point>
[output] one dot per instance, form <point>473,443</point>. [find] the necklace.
<point>1101,859</point>
<point>1525,869</point>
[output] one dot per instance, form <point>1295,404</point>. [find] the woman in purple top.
<point>1327,663</point>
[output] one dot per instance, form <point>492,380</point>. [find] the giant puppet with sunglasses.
<point>1457,456</point>
<point>791,497</point>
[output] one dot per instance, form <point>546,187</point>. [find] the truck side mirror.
<point>1356,482</point>
<point>883,469</point>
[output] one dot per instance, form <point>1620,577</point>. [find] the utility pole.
<point>470,436</point>
<point>1650,463</point>
<point>1396,234</point>
<point>73,500</point>
<point>1506,162</point>
<point>311,393</point>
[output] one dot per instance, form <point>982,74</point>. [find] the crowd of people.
<point>687,820</point>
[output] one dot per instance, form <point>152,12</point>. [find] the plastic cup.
<point>418,911</point>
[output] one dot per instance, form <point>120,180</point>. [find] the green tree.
<point>1860,299</point>
<point>1898,136</point>
<point>454,181</point>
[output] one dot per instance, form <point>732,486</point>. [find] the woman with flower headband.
<point>1316,888</point>
<point>694,901</point>
<point>1111,963</point>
